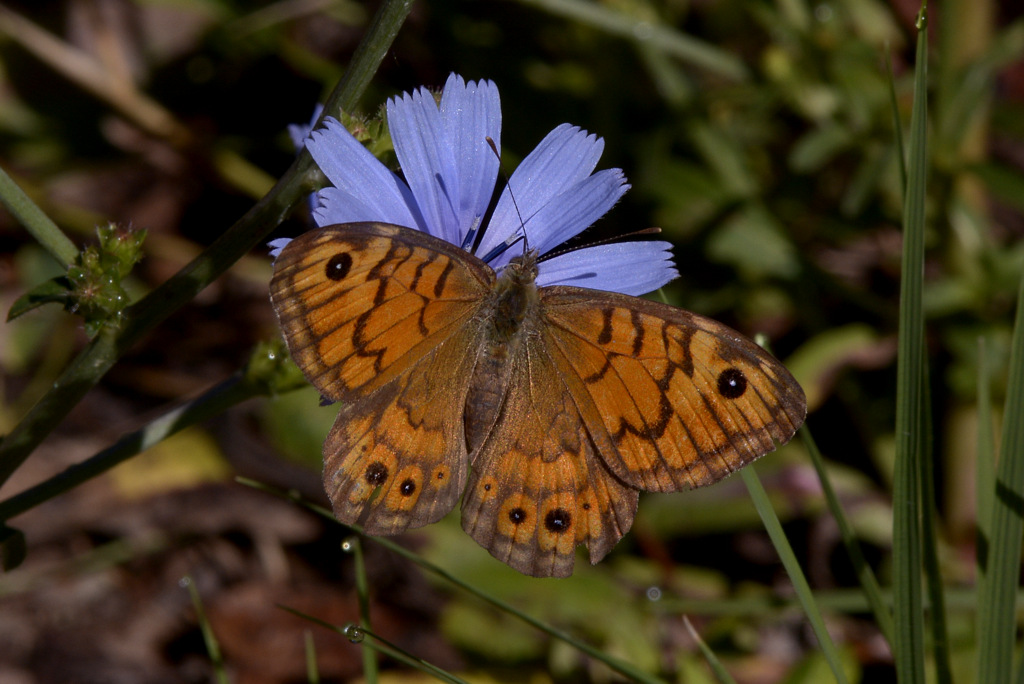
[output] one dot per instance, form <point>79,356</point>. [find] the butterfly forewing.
<point>682,399</point>
<point>360,302</point>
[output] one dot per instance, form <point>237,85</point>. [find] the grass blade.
<point>803,590</point>
<point>359,635</point>
<point>36,222</point>
<point>930,542</point>
<point>910,425</point>
<point>312,670</point>
<point>986,465</point>
<point>355,546</point>
<point>996,614</point>
<point>212,646</point>
<point>721,674</point>
<point>868,581</point>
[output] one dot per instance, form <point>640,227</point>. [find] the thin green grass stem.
<point>803,590</point>
<point>358,635</point>
<point>910,425</point>
<point>985,480</point>
<point>248,232</point>
<point>997,625</point>
<point>214,402</point>
<point>36,222</point>
<point>897,123</point>
<point>209,638</point>
<point>615,664</point>
<point>355,546</point>
<point>312,670</point>
<point>622,667</point>
<point>379,644</point>
<point>866,576</point>
<point>721,674</point>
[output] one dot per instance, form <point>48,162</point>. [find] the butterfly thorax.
<point>509,315</point>
<point>513,298</point>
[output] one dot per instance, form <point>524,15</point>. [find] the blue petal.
<point>566,156</point>
<point>471,113</point>
<point>300,132</point>
<point>364,189</point>
<point>632,268</point>
<point>425,158</point>
<point>444,154</point>
<point>276,245</point>
<point>571,212</point>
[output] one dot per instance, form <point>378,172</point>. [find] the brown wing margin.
<point>682,399</point>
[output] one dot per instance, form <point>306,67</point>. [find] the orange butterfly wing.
<point>366,309</point>
<point>537,489</point>
<point>673,400</point>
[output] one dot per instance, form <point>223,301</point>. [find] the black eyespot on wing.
<point>376,474</point>
<point>558,520</point>
<point>338,266</point>
<point>732,383</point>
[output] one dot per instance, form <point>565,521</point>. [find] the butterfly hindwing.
<point>537,489</point>
<point>397,459</point>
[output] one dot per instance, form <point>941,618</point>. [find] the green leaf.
<point>819,147</point>
<point>55,291</point>
<point>754,243</point>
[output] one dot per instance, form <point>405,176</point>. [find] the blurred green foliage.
<point>759,136</point>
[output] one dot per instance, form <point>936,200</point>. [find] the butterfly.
<point>548,409</point>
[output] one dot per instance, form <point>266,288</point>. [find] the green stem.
<point>367,57</point>
<point>370,670</point>
<point>997,618</point>
<point>107,347</point>
<point>930,545</point>
<point>216,401</point>
<point>868,581</point>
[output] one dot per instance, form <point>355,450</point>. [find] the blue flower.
<point>449,178</point>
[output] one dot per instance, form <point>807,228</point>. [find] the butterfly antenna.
<point>515,237</point>
<point>605,241</point>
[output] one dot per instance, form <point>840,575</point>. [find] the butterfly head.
<point>522,269</point>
